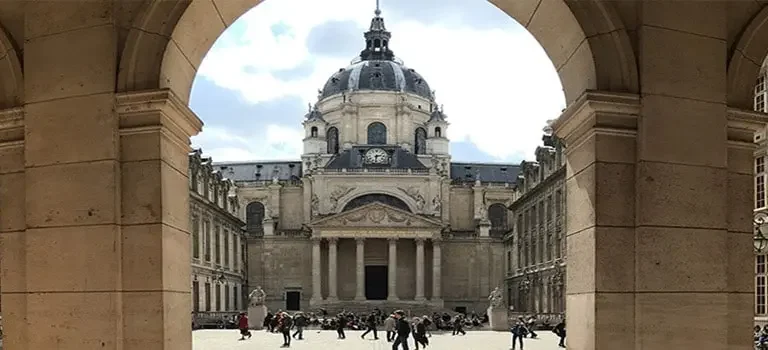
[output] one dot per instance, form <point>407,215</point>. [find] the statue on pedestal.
<point>257,311</point>
<point>496,298</point>
<point>257,296</point>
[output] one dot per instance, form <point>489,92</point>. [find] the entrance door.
<point>293,301</point>
<point>376,282</point>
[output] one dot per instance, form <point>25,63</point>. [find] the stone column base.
<point>498,319</point>
<point>256,316</point>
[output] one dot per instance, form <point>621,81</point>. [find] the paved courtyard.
<point>326,340</point>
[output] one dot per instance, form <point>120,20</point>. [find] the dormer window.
<point>313,131</point>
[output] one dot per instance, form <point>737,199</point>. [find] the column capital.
<point>606,111</point>
<point>332,239</point>
<point>360,240</point>
<point>420,240</point>
<point>392,239</point>
<point>316,239</point>
<point>437,240</point>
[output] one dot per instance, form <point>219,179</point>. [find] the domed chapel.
<point>375,212</point>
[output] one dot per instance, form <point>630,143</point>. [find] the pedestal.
<point>256,316</point>
<point>498,319</point>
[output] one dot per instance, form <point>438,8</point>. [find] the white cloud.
<point>271,143</point>
<point>498,86</point>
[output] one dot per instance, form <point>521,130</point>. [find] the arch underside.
<point>586,41</point>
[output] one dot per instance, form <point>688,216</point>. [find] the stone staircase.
<point>412,308</point>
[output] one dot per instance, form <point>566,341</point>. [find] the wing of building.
<point>375,211</point>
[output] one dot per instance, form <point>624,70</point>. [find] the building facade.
<point>375,212</point>
<point>761,287</point>
<point>536,248</point>
<point>218,246</point>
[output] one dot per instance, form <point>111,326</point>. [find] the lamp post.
<point>760,222</point>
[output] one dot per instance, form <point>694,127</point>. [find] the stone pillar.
<point>360,269</point>
<point>436,270</point>
<point>545,307</point>
<point>392,270</point>
<point>316,273</point>
<point>419,269</point>
<point>332,270</point>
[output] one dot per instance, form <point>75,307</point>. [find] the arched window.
<point>497,214</point>
<point>377,134</point>
<point>254,216</point>
<point>332,138</point>
<point>420,144</point>
<point>377,197</point>
<point>313,131</point>
<point>438,132</point>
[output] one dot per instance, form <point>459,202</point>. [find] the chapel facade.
<point>375,212</point>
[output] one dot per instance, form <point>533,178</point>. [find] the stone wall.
<point>280,263</point>
<point>291,208</point>
<point>462,209</point>
<point>471,270</point>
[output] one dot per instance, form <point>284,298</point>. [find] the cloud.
<point>335,39</point>
<point>496,82</point>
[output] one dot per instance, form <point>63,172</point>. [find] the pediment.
<point>376,215</point>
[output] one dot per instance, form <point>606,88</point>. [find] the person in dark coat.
<point>560,331</point>
<point>403,330</point>
<point>519,330</point>
<point>370,325</point>
<point>299,322</point>
<point>242,324</point>
<point>420,333</point>
<point>284,324</point>
<point>458,325</point>
<point>268,322</point>
<point>341,322</point>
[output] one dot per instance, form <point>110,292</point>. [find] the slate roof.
<point>460,172</point>
<point>353,159</point>
<point>247,171</point>
<point>488,172</point>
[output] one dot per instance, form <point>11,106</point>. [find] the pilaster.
<point>392,270</point>
<point>437,270</point>
<point>419,269</point>
<point>360,268</point>
<point>316,273</point>
<point>332,269</point>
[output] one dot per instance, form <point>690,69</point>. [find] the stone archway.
<point>746,58</point>
<point>11,79</point>
<point>586,41</point>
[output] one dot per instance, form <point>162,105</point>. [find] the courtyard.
<point>313,339</point>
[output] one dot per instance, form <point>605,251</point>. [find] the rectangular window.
<point>760,264</point>
<point>509,260</point>
<point>227,300</point>
<point>541,213</point>
<point>226,249</point>
<point>760,191</point>
<point>196,237</point>
<point>759,165</point>
<point>558,203</point>
<point>534,223</point>
<point>207,297</point>
<point>760,84</point>
<point>195,296</point>
<point>217,243</point>
<point>207,241</point>
<point>549,208</point>
<point>760,102</point>
<point>218,299</point>
<point>760,295</point>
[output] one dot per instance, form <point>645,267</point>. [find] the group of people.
<point>399,328</point>
<point>525,327</point>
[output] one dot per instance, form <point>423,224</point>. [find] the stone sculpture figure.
<point>315,205</point>
<point>437,204</point>
<point>496,298</point>
<point>257,296</point>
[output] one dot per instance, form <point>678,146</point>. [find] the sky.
<point>495,82</point>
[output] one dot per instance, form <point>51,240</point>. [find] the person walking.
<point>341,321</point>
<point>530,324</point>
<point>427,323</point>
<point>242,324</point>
<point>519,329</point>
<point>458,325</point>
<point>370,325</point>
<point>389,327</point>
<point>403,330</point>
<point>299,322</point>
<point>420,333</point>
<point>284,324</point>
<point>560,331</point>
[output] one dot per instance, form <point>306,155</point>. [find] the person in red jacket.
<point>242,323</point>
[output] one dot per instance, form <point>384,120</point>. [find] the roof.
<point>353,158</point>
<point>378,75</point>
<point>247,171</point>
<point>488,172</point>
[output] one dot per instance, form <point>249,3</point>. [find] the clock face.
<point>376,156</point>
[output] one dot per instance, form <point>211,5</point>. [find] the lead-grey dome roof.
<point>377,75</point>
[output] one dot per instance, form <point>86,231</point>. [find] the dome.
<point>377,75</point>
